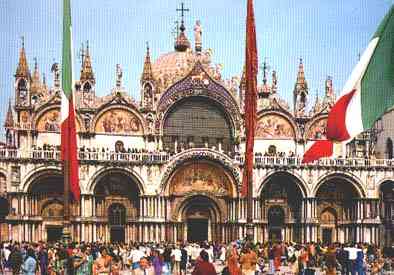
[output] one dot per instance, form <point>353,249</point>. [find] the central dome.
<point>171,67</point>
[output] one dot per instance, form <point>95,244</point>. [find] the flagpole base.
<point>66,234</point>
<point>250,232</point>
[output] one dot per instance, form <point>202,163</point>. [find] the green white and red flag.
<point>250,96</point>
<point>366,96</point>
<point>68,127</point>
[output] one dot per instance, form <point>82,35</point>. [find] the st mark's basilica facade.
<point>168,168</point>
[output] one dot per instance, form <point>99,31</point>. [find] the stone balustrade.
<point>163,157</point>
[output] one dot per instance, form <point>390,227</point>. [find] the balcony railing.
<point>162,157</point>
<point>297,161</point>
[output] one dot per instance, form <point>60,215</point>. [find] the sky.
<point>327,34</point>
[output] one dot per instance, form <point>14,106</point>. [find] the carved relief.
<point>200,177</point>
<point>318,130</point>
<point>50,122</point>
<point>274,126</point>
<point>118,121</point>
<point>53,210</point>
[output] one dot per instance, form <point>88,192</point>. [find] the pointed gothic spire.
<point>301,84</point>
<point>181,42</point>
<point>317,106</point>
<point>44,83</point>
<point>87,73</point>
<point>36,79</point>
<point>23,67</point>
<point>9,121</point>
<point>147,73</point>
<point>265,71</point>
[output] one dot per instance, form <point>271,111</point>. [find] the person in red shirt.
<point>204,267</point>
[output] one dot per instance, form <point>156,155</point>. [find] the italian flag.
<point>68,128</point>
<point>366,96</point>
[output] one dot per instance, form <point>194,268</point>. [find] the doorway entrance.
<point>54,233</point>
<point>117,221</point>
<point>327,235</point>
<point>276,221</point>
<point>117,234</point>
<point>197,230</point>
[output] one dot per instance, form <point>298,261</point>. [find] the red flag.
<point>250,96</point>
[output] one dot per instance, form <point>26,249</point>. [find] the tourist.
<point>157,262</point>
<point>232,259</point>
<point>83,261</point>
<point>330,259</point>
<point>204,267</point>
<point>359,266</point>
<point>43,260</point>
<point>29,266</point>
<point>248,261</point>
<point>278,251</point>
<point>144,268</point>
<point>102,265</point>
<point>176,255</point>
<point>15,259</point>
<point>167,268</point>
<point>184,260</point>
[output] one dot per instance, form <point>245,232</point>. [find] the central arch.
<point>281,200</point>
<point>200,215</point>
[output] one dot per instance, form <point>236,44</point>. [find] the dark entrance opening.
<point>54,234</point>
<point>197,230</point>
<point>327,235</point>
<point>276,220</point>
<point>117,220</point>
<point>117,234</point>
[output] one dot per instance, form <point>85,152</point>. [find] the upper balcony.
<point>161,157</point>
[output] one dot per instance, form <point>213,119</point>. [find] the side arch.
<point>105,171</point>
<point>350,178</point>
<point>41,172</point>
<point>301,184</point>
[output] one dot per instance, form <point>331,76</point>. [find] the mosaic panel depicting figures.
<point>318,130</point>
<point>274,126</point>
<point>200,177</point>
<point>50,122</point>
<point>118,121</point>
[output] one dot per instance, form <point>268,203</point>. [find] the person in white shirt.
<point>176,254</point>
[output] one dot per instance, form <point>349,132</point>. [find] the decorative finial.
<point>182,10</point>
<point>23,41</point>
<point>198,36</point>
<point>44,79</point>
<point>119,75</point>
<point>181,42</point>
<point>265,70</point>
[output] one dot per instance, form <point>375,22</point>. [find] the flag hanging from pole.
<point>366,96</point>
<point>68,128</point>
<point>250,96</point>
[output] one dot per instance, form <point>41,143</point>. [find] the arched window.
<point>87,87</point>
<point>389,148</point>
<point>272,150</point>
<point>117,214</point>
<point>119,147</point>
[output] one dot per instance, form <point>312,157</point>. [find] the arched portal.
<point>200,216</point>
<point>45,198</point>
<point>328,222</point>
<point>197,123</point>
<point>117,221</point>
<point>387,211</point>
<point>116,197</point>
<point>338,205</point>
<point>281,201</point>
<point>276,222</point>
<point>389,148</point>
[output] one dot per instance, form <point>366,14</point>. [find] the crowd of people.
<point>236,258</point>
